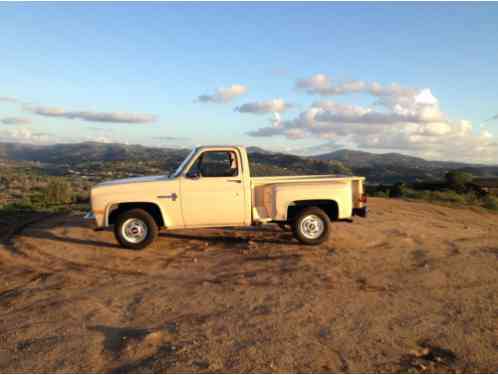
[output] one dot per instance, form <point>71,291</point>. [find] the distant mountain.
<point>71,153</point>
<point>258,150</point>
<point>284,164</point>
<point>85,152</point>
<point>360,159</point>
<point>377,168</point>
<point>263,162</point>
<point>395,167</point>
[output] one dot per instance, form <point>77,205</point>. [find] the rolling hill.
<point>378,168</point>
<point>395,167</point>
<point>263,163</point>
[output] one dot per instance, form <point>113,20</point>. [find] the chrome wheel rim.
<point>312,227</point>
<point>134,230</point>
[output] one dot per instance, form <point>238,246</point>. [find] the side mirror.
<point>194,175</point>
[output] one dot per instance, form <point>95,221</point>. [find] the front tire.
<point>311,226</point>
<point>135,229</point>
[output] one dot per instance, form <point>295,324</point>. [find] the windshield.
<point>183,164</point>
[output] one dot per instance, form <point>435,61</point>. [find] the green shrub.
<point>416,194</point>
<point>58,191</point>
<point>471,198</point>
<point>449,196</point>
<point>397,190</point>
<point>24,205</point>
<point>490,202</point>
<point>457,180</point>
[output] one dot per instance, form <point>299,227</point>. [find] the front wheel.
<point>135,229</point>
<point>311,226</point>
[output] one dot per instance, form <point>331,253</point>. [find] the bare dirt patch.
<point>412,288</point>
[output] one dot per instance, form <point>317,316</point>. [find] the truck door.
<point>212,190</point>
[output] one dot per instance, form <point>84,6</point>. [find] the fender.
<point>114,205</point>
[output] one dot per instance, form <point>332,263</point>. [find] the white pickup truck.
<point>213,187</point>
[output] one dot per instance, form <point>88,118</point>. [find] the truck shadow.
<point>288,240</point>
<point>41,226</point>
<point>45,235</point>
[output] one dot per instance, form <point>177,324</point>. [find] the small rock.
<point>422,367</point>
<point>420,352</point>
<point>324,332</point>
<point>201,364</point>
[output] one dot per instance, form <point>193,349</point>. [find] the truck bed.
<point>304,178</point>
<point>270,194</point>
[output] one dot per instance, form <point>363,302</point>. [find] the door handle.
<point>236,181</point>
<point>173,197</point>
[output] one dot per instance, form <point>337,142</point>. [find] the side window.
<point>216,164</point>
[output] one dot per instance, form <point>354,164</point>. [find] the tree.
<point>397,190</point>
<point>458,180</point>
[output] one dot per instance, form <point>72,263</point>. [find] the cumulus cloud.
<point>495,117</point>
<point>268,131</point>
<point>263,107</point>
<point>321,84</point>
<point>90,116</point>
<point>224,94</point>
<point>172,139</point>
<point>8,99</point>
<point>15,121</point>
<point>22,135</point>
<point>399,119</point>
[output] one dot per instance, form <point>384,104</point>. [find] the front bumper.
<point>91,216</point>
<point>361,212</point>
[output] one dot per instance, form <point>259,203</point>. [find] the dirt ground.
<point>412,288</point>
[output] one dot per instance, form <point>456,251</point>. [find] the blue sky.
<point>72,67</point>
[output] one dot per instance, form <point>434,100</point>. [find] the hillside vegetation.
<point>31,173</point>
<point>391,168</point>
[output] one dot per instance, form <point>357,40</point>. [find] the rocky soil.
<point>412,288</point>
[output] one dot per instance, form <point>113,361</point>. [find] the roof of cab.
<point>203,147</point>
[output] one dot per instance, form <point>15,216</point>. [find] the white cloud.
<point>15,121</point>
<point>90,116</point>
<point>263,107</point>
<point>8,99</point>
<point>276,120</point>
<point>425,97</point>
<point>321,84</point>
<point>314,84</point>
<point>22,135</point>
<point>224,94</point>
<point>495,117</point>
<point>400,119</point>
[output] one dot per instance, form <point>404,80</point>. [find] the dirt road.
<point>412,288</point>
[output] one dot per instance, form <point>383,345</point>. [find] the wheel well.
<point>329,206</point>
<point>151,208</point>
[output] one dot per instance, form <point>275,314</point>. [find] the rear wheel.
<point>135,229</point>
<point>311,226</point>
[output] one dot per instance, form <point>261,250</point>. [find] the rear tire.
<point>311,226</point>
<point>135,229</point>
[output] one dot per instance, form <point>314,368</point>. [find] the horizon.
<point>303,79</point>
<point>186,148</point>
